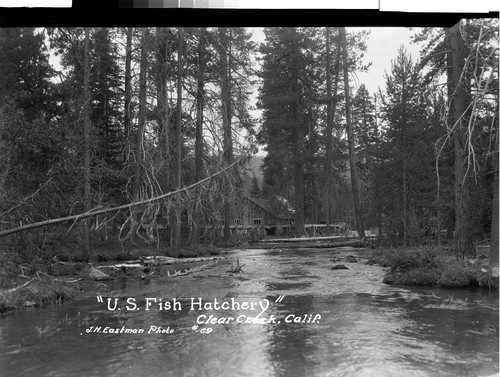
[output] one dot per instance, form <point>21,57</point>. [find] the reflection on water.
<point>365,328</point>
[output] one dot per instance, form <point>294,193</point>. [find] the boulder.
<point>98,275</point>
<point>389,278</point>
<point>351,259</point>
<point>340,267</point>
<point>494,272</point>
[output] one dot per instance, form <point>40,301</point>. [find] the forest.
<point>118,137</point>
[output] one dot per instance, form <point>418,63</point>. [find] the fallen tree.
<point>302,239</point>
<point>152,265</point>
<point>158,259</point>
<point>105,211</point>
<point>314,245</point>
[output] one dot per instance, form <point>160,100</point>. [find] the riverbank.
<point>45,281</point>
<point>67,276</point>
<point>429,266</point>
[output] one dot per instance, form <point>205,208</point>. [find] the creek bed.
<point>365,328</point>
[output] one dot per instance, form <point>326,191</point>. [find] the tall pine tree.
<point>285,97</point>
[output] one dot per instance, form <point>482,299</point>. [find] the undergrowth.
<point>38,293</point>
<point>430,266</point>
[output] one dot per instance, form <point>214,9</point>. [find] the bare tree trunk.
<point>350,141</point>
<point>136,189</point>
<point>298,173</point>
<point>459,97</point>
<point>163,115</point>
<point>330,113</point>
<point>333,106</point>
<point>439,215</point>
<point>163,110</point>
<point>178,138</point>
<point>298,179</point>
<point>86,135</point>
<point>128,87</point>
<point>378,197</point>
<point>200,105</point>
<point>367,159</point>
<point>142,116</point>
<point>494,247</point>
<point>226,126</point>
<point>404,173</point>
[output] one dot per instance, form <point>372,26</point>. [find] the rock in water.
<point>339,267</point>
<point>389,278</point>
<point>98,275</point>
<point>351,259</point>
<point>494,272</point>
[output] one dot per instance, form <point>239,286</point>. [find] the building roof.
<point>268,207</point>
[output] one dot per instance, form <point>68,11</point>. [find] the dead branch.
<point>194,269</point>
<point>125,206</point>
<point>27,198</point>
<point>20,286</point>
<point>236,269</point>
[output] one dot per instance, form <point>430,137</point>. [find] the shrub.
<point>38,293</point>
<point>418,276</point>
<point>456,274</point>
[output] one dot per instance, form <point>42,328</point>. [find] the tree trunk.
<point>128,86</point>
<point>439,215</point>
<point>297,141</point>
<point>86,136</point>
<point>350,141</point>
<point>328,131</point>
<point>459,97</point>
<point>494,247</point>
<point>404,172</point>
<point>163,110</point>
<point>163,116</point>
<point>142,116</point>
<point>378,197</point>
<point>226,126</point>
<point>140,126</point>
<point>330,113</point>
<point>200,105</point>
<point>366,158</point>
<point>178,138</point>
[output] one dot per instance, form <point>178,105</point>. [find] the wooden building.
<point>263,216</point>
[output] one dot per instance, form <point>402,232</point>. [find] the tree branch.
<point>125,206</point>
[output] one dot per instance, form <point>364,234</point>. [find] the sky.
<point>383,44</point>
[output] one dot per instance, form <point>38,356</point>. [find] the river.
<point>312,321</point>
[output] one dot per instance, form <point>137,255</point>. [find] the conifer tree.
<point>407,145</point>
<point>285,97</point>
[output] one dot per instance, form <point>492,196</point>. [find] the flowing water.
<point>348,324</point>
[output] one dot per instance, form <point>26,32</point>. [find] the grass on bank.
<point>429,266</point>
<point>31,276</point>
<point>39,292</point>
